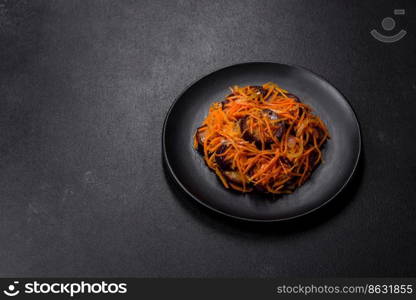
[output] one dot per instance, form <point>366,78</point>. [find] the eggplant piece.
<point>226,100</point>
<point>291,141</point>
<point>233,177</point>
<point>251,137</point>
<point>271,114</point>
<point>242,123</point>
<point>223,103</point>
<point>200,136</point>
<point>291,183</point>
<point>247,135</point>
<point>260,90</point>
<point>220,160</point>
<point>281,127</point>
<point>229,95</point>
<point>313,158</point>
<point>286,161</point>
<point>290,95</point>
<point>321,133</point>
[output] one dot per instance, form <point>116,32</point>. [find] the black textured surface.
<point>187,167</point>
<point>85,86</point>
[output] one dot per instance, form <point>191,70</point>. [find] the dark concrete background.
<point>84,89</point>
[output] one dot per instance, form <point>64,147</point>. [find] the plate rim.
<point>176,179</point>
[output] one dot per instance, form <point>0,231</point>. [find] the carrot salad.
<point>261,138</point>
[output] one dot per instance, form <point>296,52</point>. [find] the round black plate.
<point>188,168</point>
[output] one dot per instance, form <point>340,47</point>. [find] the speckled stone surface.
<point>84,89</point>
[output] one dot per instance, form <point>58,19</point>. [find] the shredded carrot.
<point>263,135</point>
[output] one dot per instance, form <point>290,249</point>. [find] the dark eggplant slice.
<point>271,114</point>
<point>229,95</point>
<point>321,133</point>
<point>313,158</point>
<point>260,188</point>
<point>291,183</point>
<point>223,103</point>
<point>260,90</point>
<point>200,136</point>
<point>251,137</point>
<point>286,161</point>
<point>290,95</point>
<point>242,123</point>
<point>281,127</point>
<point>220,160</point>
<point>233,177</point>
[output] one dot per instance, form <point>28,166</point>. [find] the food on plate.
<point>261,138</point>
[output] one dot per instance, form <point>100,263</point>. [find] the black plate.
<point>188,168</point>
